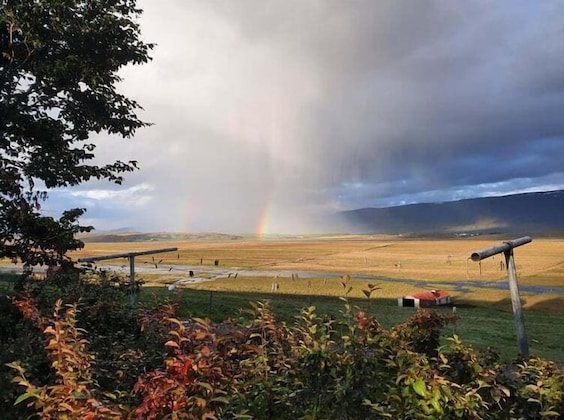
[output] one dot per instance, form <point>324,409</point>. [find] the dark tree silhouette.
<point>59,65</point>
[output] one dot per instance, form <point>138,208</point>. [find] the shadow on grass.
<point>481,324</point>
<point>553,306</point>
<point>550,306</point>
<point>219,305</point>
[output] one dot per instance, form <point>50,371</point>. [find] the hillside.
<point>124,236</point>
<point>541,212</point>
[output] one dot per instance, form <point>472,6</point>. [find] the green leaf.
<point>24,397</point>
<point>419,387</point>
<point>110,395</point>
<point>436,405</point>
<point>79,395</point>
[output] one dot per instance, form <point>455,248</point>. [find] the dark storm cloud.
<point>326,105</point>
<point>466,90</point>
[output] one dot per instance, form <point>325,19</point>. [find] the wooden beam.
<point>498,249</point>
<point>126,255</point>
<point>507,249</point>
<point>131,256</point>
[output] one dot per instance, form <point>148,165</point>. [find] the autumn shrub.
<point>20,339</point>
<point>124,341</point>
<point>266,359</point>
<point>320,367</point>
<point>71,395</point>
<point>195,379</point>
<point>421,333</point>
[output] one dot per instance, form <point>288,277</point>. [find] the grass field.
<point>538,263</point>
<point>480,326</point>
<point>397,265</point>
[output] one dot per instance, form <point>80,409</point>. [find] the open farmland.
<point>397,265</point>
<point>540,263</point>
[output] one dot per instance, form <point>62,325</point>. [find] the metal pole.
<point>516,303</point>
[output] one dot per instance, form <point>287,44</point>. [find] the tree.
<point>59,63</point>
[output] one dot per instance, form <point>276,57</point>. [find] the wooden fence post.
<point>516,303</point>
<point>131,256</point>
<point>507,249</point>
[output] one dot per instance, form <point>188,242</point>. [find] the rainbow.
<point>263,226</point>
<point>185,217</point>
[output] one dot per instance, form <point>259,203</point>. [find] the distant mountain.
<point>124,236</point>
<point>518,213</point>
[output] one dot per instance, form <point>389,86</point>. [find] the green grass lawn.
<point>7,282</point>
<point>480,325</point>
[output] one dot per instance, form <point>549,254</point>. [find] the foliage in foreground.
<point>146,364</point>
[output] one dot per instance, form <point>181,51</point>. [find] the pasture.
<point>319,270</point>
<point>436,261</point>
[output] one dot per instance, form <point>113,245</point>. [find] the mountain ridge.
<point>537,211</point>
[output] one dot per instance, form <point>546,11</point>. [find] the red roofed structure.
<point>426,298</point>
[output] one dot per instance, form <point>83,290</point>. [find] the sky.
<point>268,115</point>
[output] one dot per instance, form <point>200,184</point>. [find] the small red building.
<point>425,299</point>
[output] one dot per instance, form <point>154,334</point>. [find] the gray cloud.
<point>290,108</point>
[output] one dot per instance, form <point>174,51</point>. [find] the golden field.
<point>539,263</point>
<point>400,260</point>
<point>394,265</point>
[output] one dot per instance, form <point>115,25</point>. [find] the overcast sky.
<point>268,113</point>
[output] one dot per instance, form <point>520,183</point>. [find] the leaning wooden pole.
<point>507,249</point>
<point>516,303</point>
